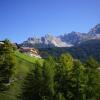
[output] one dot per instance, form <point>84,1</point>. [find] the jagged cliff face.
<point>46,41</point>
<point>77,37</point>
<point>73,37</point>
<point>65,40</point>
<point>95,30</point>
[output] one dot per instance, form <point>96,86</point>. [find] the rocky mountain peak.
<point>65,40</point>
<point>95,30</point>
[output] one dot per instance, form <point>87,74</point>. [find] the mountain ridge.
<point>65,40</point>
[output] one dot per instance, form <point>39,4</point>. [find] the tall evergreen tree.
<point>39,84</point>
<point>7,62</point>
<point>48,78</point>
<point>92,79</point>
<point>31,89</point>
<point>63,75</point>
<point>65,79</point>
<point>78,81</point>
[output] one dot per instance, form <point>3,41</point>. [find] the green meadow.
<point>24,64</point>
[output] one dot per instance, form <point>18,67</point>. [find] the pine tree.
<point>63,75</point>
<point>7,63</point>
<point>78,81</point>
<point>48,78</point>
<point>92,79</point>
<point>39,84</point>
<point>31,89</point>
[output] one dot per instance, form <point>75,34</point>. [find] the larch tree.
<point>48,78</point>
<point>92,79</point>
<point>63,75</point>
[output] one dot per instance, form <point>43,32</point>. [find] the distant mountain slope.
<point>65,40</point>
<point>81,51</point>
<point>86,49</point>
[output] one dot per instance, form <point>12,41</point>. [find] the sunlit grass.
<point>24,64</point>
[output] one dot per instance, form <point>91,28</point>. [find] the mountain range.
<point>81,51</point>
<point>65,40</point>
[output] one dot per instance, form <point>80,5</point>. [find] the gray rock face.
<point>95,30</point>
<point>77,37</point>
<point>73,37</point>
<point>65,40</point>
<point>46,41</point>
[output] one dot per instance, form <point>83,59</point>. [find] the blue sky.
<point>20,19</point>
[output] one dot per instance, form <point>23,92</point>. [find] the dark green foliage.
<point>92,79</point>
<point>78,80</point>
<point>7,63</point>
<point>59,96</point>
<point>63,75</point>
<point>64,78</point>
<point>81,51</point>
<point>39,84</point>
<point>33,84</point>
<point>70,77</point>
<point>48,78</point>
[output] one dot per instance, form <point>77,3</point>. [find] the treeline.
<point>60,78</point>
<point>64,78</point>
<point>81,51</point>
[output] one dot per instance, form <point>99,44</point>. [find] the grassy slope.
<point>23,65</point>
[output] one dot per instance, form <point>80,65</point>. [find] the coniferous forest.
<point>53,78</point>
<point>49,49</point>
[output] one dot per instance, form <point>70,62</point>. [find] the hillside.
<point>86,49</point>
<point>23,65</point>
<point>81,51</point>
